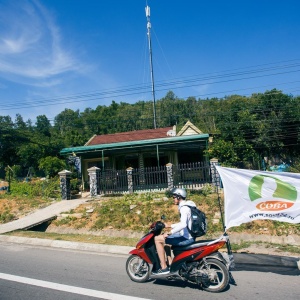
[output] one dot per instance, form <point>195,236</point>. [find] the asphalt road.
<point>31,272</point>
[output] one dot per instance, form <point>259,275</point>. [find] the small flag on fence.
<point>258,195</point>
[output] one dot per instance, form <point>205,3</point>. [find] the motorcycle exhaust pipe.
<point>169,276</point>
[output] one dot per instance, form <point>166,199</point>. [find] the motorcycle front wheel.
<point>218,275</point>
<point>137,269</point>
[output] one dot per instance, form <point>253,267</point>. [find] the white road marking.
<point>67,288</point>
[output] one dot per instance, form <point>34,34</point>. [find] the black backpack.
<point>199,222</point>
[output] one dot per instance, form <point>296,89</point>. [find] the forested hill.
<point>245,129</point>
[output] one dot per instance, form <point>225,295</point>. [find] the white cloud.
<point>31,47</point>
<point>203,88</point>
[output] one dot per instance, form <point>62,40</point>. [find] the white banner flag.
<point>257,195</point>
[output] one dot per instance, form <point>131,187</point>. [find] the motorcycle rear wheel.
<point>132,264</point>
<point>218,275</point>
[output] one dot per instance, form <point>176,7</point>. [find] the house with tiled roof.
<point>141,149</point>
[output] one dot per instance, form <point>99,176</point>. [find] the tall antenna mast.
<point>147,9</point>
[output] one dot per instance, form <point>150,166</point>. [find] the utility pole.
<point>147,9</point>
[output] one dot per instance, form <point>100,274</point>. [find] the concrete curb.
<point>100,248</point>
<point>240,258</point>
<point>265,260</point>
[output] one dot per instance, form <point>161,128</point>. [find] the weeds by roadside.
<point>81,238</point>
<point>276,247</point>
<point>14,207</point>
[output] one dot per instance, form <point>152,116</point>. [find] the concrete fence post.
<point>94,184</point>
<point>65,184</point>
<point>130,180</point>
<point>170,176</point>
<point>215,177</point>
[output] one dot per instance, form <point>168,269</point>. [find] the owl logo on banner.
<point>282,195</point>
<point>259,195</point>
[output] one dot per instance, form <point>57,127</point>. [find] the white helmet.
<point>179,192</point>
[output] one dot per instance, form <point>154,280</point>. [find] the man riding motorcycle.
<point>179,234</point>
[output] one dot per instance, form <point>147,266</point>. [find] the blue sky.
<point>57,54</point>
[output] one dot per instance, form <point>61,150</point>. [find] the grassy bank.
<point>135,212</point>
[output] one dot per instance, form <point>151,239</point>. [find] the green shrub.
<point>206,190</point>
<point>13,172</point>
<point>39,188</point>
<point>75,184</point>
<point>64,221</point>
<point>51,165</point>
<point>6,217</point>
<point>168,193</point>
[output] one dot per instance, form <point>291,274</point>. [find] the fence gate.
<point>191,175</point>
<point>152,178</point>
<point>112,181</point>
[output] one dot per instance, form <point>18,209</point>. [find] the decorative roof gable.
<point>189,129</point>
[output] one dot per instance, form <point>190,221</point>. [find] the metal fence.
<point>112,181</point>
<point>191,176</point>
<point>152,178</point>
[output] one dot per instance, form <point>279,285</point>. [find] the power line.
<point>254,108</point>
<point>164,85</point>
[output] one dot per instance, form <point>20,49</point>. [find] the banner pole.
<point>220,207</point>
<point>218,181</point>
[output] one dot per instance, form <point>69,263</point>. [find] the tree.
<point>9,142</point>
<point>19,123</point>
<point>43,125</point>
<point>224,151</point>
<point>69,127</point>
<point>51,165</point>
<point>29,155</point>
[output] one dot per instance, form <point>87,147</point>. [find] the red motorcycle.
<point>200,263</point>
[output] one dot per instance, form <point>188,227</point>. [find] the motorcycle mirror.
<point>163,217</point>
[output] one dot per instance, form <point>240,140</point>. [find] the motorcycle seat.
<point>191,246</point>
